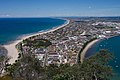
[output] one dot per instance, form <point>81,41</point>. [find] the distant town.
<point>64,44</point>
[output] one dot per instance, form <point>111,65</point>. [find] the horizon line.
<point>55,16</point>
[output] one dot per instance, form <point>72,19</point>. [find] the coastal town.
<point>65,44</point>
<point>59,39</point>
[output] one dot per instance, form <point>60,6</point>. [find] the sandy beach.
<point>12,51</point>
<point>82,56</point>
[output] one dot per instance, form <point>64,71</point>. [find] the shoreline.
<point>13,52</point>
<point>82,55</point>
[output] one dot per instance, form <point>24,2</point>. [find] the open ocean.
<point>113,45</point>
<point>12,28</point>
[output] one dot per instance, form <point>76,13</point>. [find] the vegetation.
<point>6,77</point>
<point>94,68</point>
<point>3,62</point>
<point>29,68</point>
<point>37,43</point>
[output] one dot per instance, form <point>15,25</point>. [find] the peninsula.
<point>63,44</point>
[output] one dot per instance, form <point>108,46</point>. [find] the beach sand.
<point>12,51</point>
<point>82,56</point>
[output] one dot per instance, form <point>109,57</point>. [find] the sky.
<point>56,8</point>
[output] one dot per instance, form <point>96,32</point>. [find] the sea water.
<point>113,45</point>
<point>12,28</point>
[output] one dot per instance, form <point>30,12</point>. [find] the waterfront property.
<point>64,44</point>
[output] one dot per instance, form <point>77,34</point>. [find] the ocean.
<point>12,28</point>
<point>113,45</point>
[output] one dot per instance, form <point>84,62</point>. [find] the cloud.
<point>7,15</point>
<point>4,15</point>
<point>89,7</point>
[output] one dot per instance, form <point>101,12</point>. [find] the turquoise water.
<point>12,28</point>
<point>113,45</point>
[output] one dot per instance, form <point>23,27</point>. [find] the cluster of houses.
<point>69,40</point>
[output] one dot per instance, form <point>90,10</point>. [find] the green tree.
<point>93,68</point>
<point>3,62</point>
<point>27,68</point>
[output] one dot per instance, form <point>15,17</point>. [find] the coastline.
<point>82,55</point>
<point>12,51</point>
